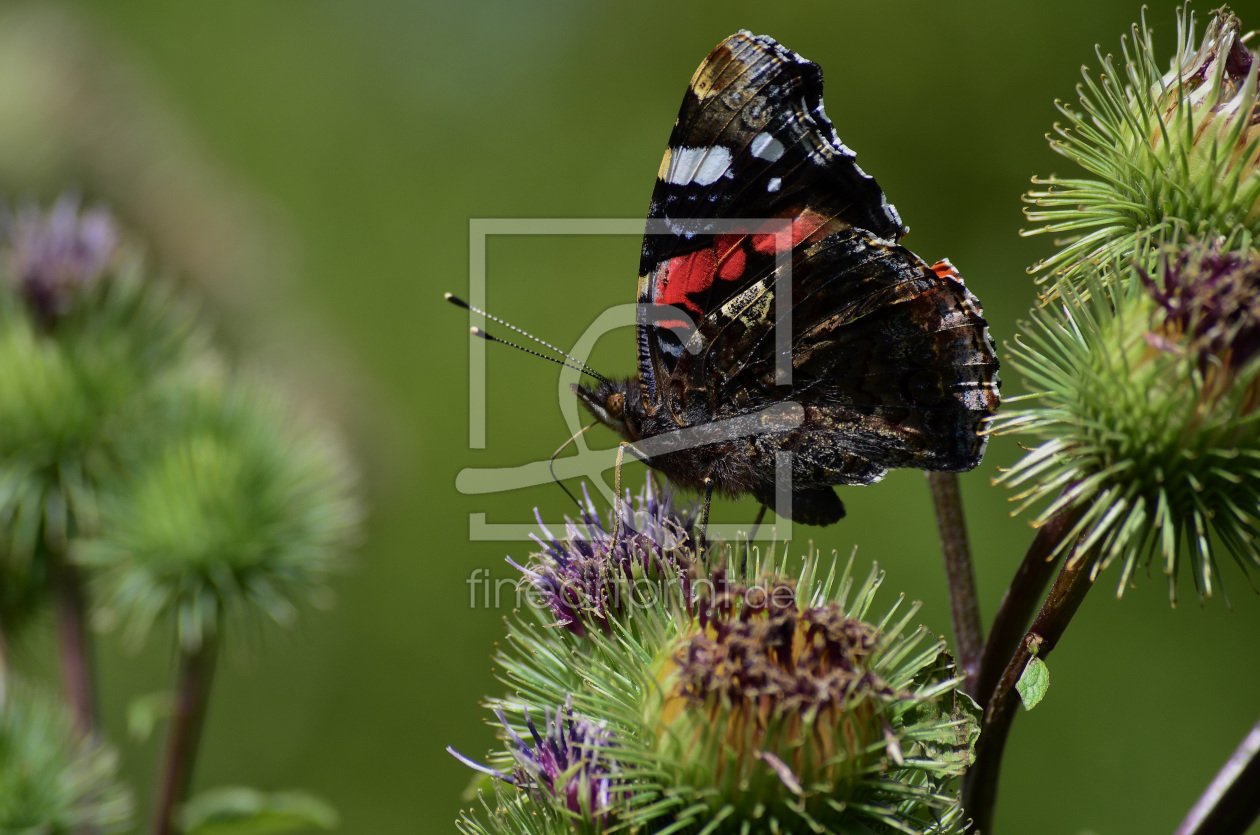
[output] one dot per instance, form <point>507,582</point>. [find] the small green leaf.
<point>237,810</point>
<point>1034,683</point>
<point>144,713</point>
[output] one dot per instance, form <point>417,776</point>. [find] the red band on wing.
<point>691,273</point>
<point>671,324</point>
<point>680,279</point>
<point>730,256</point>
<point>944,269</point>
<point>804,226</point>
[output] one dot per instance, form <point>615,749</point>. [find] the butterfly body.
<point>785,337</point>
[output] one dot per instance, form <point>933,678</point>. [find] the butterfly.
<point>787,342</point>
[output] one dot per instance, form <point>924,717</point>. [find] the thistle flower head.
<point>790,702</point>
<point>1213,90</point>
<point>761,667</point>
<point>768,700</point>
<point>1175,149</point>
<point>572,760</point>
<point>52,779</point>
<point>578,576</point>
<point>51,255</point>
<point>1209,300</point>
<point>1144,406</point>
<point>571,764</point>
<point>755,642</point>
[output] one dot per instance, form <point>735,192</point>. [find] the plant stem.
<point>74,642</point>
<point>964,602</point>
<point>981,783</point>
<point>192,695</point>
<point>1019,603</point>
<point>1231,802</point>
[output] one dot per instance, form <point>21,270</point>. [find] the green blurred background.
<point>311,167</point>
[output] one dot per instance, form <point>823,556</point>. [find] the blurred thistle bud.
<point>232,510</point>
<point>764,700</point>
<point>579,576</point>
<point>70,394</point>
<point>1175,149</point>
<point>1145,387</point>
<point>51,255</point>
<point>53,779</point>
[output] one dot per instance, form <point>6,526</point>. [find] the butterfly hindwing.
<point>890,357</point>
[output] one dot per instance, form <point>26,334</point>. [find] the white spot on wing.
<point>766,147</point>
<point>703,166</point>
<point>774,184</point>
<point>716,163</point>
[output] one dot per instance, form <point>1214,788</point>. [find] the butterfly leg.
<point>702,520</point>
<point>752,534</point>
<point>621,455</point>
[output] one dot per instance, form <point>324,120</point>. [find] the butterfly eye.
<point>616,404</point>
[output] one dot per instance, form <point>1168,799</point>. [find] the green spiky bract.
<point>509,812</point>
<point>235,510</point>
<point>67,395</point>
<point>53,780</point>
<point>1164,153</point>
<point>673,768</point>
<point>1143,407</point>
<point>1159,451</point>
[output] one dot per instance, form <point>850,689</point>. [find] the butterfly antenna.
<point>578,364</point>
<point>475,331</point>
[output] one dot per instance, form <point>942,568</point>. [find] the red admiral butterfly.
<point>778,313</point>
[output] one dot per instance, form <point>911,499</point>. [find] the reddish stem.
<point>1020,602</point>
<point>981,783</point>
<point>964,601</point>
<point>1231,802</point>
<point>74,642</point>
<point>192,695</point>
